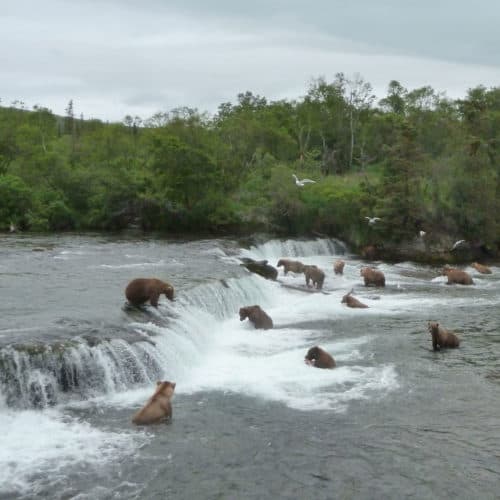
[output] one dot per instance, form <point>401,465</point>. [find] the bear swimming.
<point>338,266</point>
<point>290,265</point>
<point>259,318</point>
<point>457,276</point>
<point>372,276</point>
<point>141,290</point>
<point>351,301</point>
<point>314,274</point>
<point>319,358</point>
<point>481,268</point>
<point>442,337</point>
<point>158,408</point>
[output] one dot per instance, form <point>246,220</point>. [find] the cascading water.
<point>45,375</point>
<point>75,366</point>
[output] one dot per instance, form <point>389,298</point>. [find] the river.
<point>251,420</point>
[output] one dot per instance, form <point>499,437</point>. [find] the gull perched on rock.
<point>302,182</point>
<point>372,220</point>
<point>457,244</point>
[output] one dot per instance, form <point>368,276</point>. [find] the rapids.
<point>393,420</point>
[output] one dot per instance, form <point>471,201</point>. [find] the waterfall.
<point>276,249</point>
<point>42,375</point>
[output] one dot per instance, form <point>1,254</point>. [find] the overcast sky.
<point>138,57</point>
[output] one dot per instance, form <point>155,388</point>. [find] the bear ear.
<point>173,385</point>
<point>158,382</point>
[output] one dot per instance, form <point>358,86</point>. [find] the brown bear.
<point>481,268</point>
<point>372,276</point>
<point>338,266</point>
<point>314,274</point>
<point>370,252</point>
<point>290,265</point>
<point>319,358</point>
<point>141,290</point>
<point>442,337</point>
<point>158,408</point>
<point>457,276</point>
<point>259,318</point>
<point>351,301</point>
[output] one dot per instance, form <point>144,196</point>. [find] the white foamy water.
<point>199,342</point>
<point>44,443</point>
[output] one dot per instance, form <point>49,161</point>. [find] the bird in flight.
<point>302,182</point>
<point>372,220</point>
<point>457,244</point>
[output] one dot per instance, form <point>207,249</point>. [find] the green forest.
<point>415,158</point>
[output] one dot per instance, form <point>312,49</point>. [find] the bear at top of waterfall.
<point>315,275</point>
<point>257,316</point>
<point>159,406</point>
<point>141,290</point>
<point>372,276</point>
<point>442,337</point>
<point>338,266</point>
<point>457,276</point>
<point>295,266</point>
<point>319,358</point>
<point>481,268</point>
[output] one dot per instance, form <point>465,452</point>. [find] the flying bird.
<point>372,220</point>
<point>302,182</point>
<point>457,244</point>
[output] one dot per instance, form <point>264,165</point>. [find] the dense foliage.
<point>417,159</point>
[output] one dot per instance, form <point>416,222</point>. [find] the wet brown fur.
<point>372,276</point>
<point>315,275</point>
<point>141,290</point>
<point>338,267</point>
<point>351,301</point>
<point>319,358</point>
<point>257,316</point>
<point>481,268</point>
<point>158,408</point>
<point>442,337</point>
<point>457,276</point>
<point>295,266</point>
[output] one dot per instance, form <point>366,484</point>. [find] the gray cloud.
<point>118,57</point>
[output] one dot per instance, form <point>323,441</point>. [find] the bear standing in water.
<point>351,301</point>
<point>442,337</point>
<point>315,275</point>
<point>372,276</point>
<point>295,266</point>
<point>141,290</point>
<point>457,276</point>
<point>338,266</point>
<point>257,316</point>
<point>319,358</point>
<point>480,268</point>
<point>158,408</point>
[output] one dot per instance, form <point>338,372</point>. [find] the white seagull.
<point>302,182</point>
<point>12,227</point>
<point>457,244</point>
<point>421,233</point>
<point>372,220</point>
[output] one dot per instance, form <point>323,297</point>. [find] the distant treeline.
<point>416,159</point>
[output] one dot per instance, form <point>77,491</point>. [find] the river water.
<point>251,420</point>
